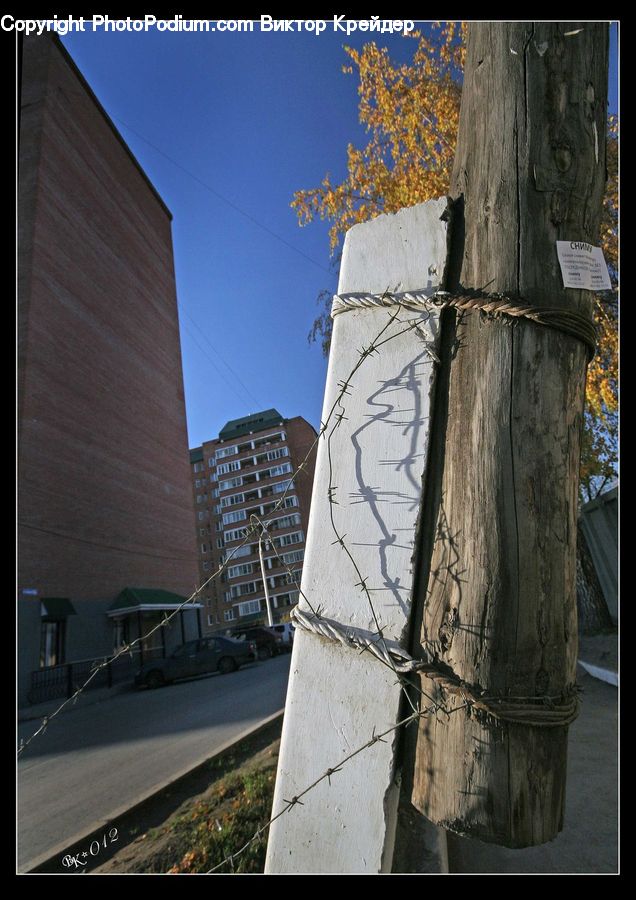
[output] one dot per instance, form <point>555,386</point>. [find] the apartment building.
<point>105,508</point>
<point>249,475</point>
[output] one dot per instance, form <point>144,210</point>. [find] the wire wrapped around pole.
<point>541,711</point>
<point>568,321</point>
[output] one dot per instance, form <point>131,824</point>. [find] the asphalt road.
<point>95,761</point>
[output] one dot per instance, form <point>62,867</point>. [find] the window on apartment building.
<point>287,599</point>
<point>242,569</point>
<point>206,566</point>
<point>277,454</point>
<point>230,483</point>
<point>229,615</point>
<point>224,468</point>
<point>204,548</point>
<point>282,486</point>
<point>280,470</point>
<point>296,537</point>
<point>285,521</point>
<point>293,557</point>
<point>211,462</point>
<point>234,534</point>
<point>232,500</point>
<point>249,608</point>
<point>211,622</point>
<point>201,498</point>
<point>219,543</point>
<point>245,550</point>
<point>226,451</point>
<point>240,590</point>
<point>52,643</point>
<point>198,467</point>
<point>202,515</point>
<point>272,438</point>
<point>289,502</point>
<point>239,515</point>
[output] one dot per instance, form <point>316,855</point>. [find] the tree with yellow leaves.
<point>600,438</point>
<point>411,113</point>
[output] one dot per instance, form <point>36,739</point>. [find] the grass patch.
<point>219,826</point>
<point>215,818</point>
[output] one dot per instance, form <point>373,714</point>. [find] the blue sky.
<point>227,127</point>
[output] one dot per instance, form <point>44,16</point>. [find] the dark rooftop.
<point>256,422</point>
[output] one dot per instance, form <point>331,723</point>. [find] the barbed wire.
<point>251,531</point>
<point>259,527</point>
<point>326,775</point>
<point>128,647</point>
<point>383,653</point>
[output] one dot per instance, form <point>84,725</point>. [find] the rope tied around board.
<point>541,711</point>
<point>568,321</point>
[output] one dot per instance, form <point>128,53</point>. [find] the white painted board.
<point>337,697</point>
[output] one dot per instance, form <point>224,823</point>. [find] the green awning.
<point>57,607</point>
<point>148,600</point>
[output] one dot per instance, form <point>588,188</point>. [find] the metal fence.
<point>62,681</point>
<point>599,521</point>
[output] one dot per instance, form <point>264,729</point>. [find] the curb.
<point>609,676</point>
<point>39,711</point>
<point>52,856</point>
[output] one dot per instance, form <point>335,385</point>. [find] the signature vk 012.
<point>80,859</point>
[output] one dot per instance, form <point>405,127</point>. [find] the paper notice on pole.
<point>583,266</point>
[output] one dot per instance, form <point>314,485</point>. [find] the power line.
<point>224,199</point>
<point>217,369</point>
<point>225,363</point>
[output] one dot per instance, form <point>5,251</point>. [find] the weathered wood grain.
<point>500,604</point>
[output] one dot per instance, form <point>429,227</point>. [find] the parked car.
<point>286,631</point>
<point>268,642</point>
<point>200,657</point>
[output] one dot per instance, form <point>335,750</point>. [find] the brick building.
<point>247,470</point>
<point>105,506</point>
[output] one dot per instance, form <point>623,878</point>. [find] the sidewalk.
<point>598,654</point>
<point>39,710</point>
<point>588,843</point>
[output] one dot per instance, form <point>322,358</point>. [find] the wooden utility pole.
<point>498,579</point>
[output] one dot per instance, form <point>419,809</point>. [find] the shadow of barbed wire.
<point>386,413</point>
